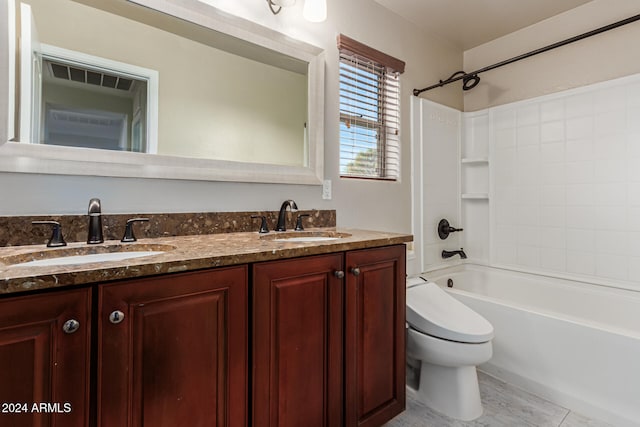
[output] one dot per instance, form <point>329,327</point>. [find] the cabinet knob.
<point>116,317</point>
<point>339,274</point>
<point>355,271</point>
<point>70,326</point>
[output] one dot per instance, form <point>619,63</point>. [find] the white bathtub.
<point>575,343</point>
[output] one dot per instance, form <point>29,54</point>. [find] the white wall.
<point>362,204</point>
<point>57,94</point>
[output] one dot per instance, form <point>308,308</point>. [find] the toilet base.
<point>451,391</point>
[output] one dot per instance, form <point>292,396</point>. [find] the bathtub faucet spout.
<point>449,254</point>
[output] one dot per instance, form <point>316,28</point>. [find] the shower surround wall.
<point>565,174</point>
<point>563,197</point>
<point>435,154</point>
<point>450,179</point>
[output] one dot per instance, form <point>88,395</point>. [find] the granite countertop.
<point>181,253</point>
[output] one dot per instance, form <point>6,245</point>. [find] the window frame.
<point>355,55</point>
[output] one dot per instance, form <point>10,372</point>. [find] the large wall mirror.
<point>159,89</point>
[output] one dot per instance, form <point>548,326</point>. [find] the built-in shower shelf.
<point>475,196</point>
<point>475,160</point>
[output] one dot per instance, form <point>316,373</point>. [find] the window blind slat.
<point>369,118</point>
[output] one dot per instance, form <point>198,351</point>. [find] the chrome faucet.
<point>95,222</point>
<point>449,254</point>
<point>280,226</point>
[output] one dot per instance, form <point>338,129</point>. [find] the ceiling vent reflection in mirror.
<point>84,75</point>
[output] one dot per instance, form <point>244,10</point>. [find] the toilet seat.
<point>432,311</point>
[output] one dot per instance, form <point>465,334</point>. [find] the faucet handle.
<point>128,230</point>
<point>263,224</point>
<point>56,240</point>
<point>444,229</point>
<point>299,226</point>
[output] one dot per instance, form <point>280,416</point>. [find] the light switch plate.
<point>326,189</point>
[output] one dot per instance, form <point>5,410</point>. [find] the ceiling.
<point>469,23</point>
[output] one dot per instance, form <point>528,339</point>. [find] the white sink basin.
<point>85,254</point>
<point>85,259</point>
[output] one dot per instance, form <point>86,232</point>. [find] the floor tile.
<point>504,406</point>
<point>577,420</point>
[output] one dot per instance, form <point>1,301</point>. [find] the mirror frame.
<point>59,160</point>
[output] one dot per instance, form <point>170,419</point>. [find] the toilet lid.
<point>433,311</point>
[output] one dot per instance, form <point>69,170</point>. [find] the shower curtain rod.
<point>473,76</point>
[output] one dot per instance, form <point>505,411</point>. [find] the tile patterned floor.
<point>504,406</point>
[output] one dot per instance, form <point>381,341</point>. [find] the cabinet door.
<point>41,364</point>
<point>172,350</point>
<point>375,335</point>
<point>297,342</point>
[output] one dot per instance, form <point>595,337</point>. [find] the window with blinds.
<point>369,112</point>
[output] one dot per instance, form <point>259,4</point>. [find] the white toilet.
<point>446,339</point>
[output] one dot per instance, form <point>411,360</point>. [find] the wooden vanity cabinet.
<point>297,342</point>
<point>44,359</point>
<point>374,335</point>
<point>172,350</point>
<point>328,339</point>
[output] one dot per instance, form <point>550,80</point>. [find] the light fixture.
<point>279,4</point>
<point>313,11</point>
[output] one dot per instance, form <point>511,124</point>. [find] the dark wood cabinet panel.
<point>297,342</point>
<point>374,335</point>
<point>41,364</point>
<point>178,355</point>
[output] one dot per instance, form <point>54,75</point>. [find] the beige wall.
<point>602,57</point>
